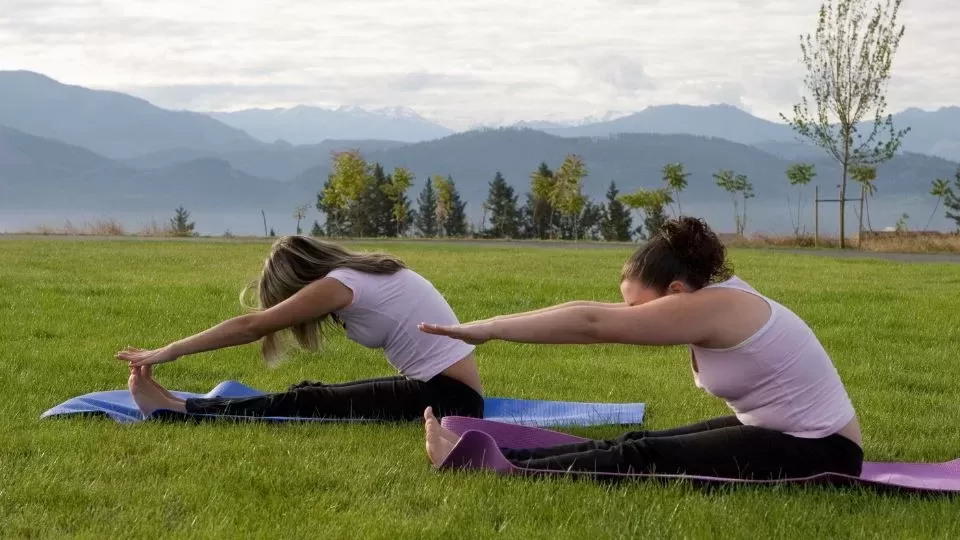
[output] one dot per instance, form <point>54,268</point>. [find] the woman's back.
<point>384,313</point>
<point>780,377</point>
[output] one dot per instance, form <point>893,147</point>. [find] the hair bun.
<point>694,243</point>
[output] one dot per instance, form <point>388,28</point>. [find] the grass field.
<point>67,306</point>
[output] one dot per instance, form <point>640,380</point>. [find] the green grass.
<point>67,306</point>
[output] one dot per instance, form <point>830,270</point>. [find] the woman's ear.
<point>676,287</point>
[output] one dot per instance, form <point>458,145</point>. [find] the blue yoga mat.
<point>119,405</point>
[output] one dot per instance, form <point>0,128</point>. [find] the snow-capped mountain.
<point>305,124</point>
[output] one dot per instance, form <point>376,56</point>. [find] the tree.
<point>502,203</point>
<point>616,221</point>
<point>345,189</point>
<point>848,67</point>
<point>651,203</point>
<point>590,222</point>
<point>799,174</point>
<point>940,188</point>
<point>735,184</point>
<point>273,233</point>
<point>444,204</point>
<point>180,224</point>
<point>374,214</point>
<point>455,223</point>
<point>316,230</point>
<point>952,200</point>
<point>865,176</point>
<point>298,214</point>
<point>676,179</point>
<point>567,196</point>
<point>542,185</point>
<point>426,218</point>
<point>337,222</point>
<point>396,191</point>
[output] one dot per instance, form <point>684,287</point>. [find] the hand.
<point>139,357</point>
<point>474,334</point>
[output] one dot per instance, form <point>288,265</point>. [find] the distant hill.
<point>310,125</point>
<point>632,160</point>
<point>41,173</point>
<point>935,133</point>
<point>112,124</point>
<point>278,161</point>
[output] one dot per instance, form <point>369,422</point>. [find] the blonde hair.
<point>295,262</point>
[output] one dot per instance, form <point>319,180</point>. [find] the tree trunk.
<point>863,193</point>
<point>843,186</point>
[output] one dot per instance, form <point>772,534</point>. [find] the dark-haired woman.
<point>304,284</point>
<point>791,417</point>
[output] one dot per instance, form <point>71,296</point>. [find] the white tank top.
<point>780,378</point>
<point>385,312</point>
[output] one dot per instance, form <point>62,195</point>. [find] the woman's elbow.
<point>251,327</point>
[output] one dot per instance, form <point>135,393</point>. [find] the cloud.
<point>459,62</point>
<point>618,71</point>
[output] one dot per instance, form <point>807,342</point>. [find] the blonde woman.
<point>307,284</point>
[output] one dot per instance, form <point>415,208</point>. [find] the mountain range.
<point>64,146</point>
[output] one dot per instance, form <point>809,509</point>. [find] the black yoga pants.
<point>721,447</point>
<point>388,398</point>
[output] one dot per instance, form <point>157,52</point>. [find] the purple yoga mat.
<point>481,440</point>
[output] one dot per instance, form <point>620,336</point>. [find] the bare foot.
<point>148,397</point>
<point>440,440</point>
<point>146,372</point>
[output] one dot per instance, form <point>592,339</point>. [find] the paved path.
<point>905,257</point>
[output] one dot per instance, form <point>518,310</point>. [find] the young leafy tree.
<point>651,203</point>
<point>502,203</point>
<point>848,63</point>
<point>444,205</point>
<point>346,187</point>
<point>396,191</point>
<point>952,200</point>
<point>337,222</point>
<point>567,196</point>
<point>180,224</point>
<point>939,189</point>
<point>865,176</point>
<point>799,174</point>
<point>736,185</point>
<point>616,223</point>
<point>676,179</point>
<point>299,213</point>
<point>426,218</point>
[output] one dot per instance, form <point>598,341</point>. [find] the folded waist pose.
<point>305,285</point>
<point>791,417</point>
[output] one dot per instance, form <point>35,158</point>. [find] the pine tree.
<point>180,223</point>
<point>542,211</point>
<point>375,211</point>
<point>504,216</point>
<point>317,230</point>
<point>455,223</point>
<point>617,220</point>
<point>426,218</point>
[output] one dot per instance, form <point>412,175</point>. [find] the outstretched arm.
<point>312,302</point>
<point>567,305</point>
<point>671,320</point>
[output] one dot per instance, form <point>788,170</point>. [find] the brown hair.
<point>684,249</point>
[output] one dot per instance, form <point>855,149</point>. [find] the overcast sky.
<point>459,62</point>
